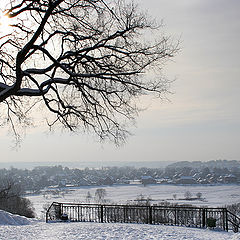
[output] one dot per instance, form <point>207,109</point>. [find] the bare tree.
<point>8,189</point>
<point>188,195</point>
<point>11,199</point>
<point>199,195</point>
<point>88,197</point>
<point>85,61</point>
<point>100,195</point>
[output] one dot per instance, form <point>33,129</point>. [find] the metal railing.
<point>170,215</point>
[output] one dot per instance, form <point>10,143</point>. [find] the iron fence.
<point>170,215</point>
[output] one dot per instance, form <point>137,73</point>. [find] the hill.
<point>7,218</point>
<point>19,228</point>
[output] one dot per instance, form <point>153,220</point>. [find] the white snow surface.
<point>214,196</point>
<point>15,227</point>
<point>107,231</point>
<point>12,219</point>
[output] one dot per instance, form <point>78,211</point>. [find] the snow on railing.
<point>199,217</point>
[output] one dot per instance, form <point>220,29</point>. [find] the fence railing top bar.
<point>65,204</point>
<point>234,215</point>
<point>189,207</point>
<point>53,203</point>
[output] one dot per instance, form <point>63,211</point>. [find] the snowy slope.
<point>11,219</point>
<point>14,227</point>
<point>107,231</point>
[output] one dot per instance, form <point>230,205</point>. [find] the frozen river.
<point>214,196</point>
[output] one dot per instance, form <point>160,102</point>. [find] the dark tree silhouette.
<point>11,199</point>
<point>100,195</point>
<point>85,61</point>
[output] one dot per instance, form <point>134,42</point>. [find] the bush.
<point>18,205</point>
<point>187,195</point>
<point>11,201</point>
<point>199,195</point>
<point>211,222</point>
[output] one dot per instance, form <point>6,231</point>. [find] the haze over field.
<point>202,119</point>
<point>85,63</point>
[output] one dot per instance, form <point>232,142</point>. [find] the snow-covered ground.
<point>13,227</point>
<point>12,219</point>
<point>214,196</point>
<point>74,231</point>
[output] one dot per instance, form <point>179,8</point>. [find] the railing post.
<point>203,217</point>
<point>226,218</point>
<point>175,217</point>
<point>48,212</point>
<point>124,214</point>
<point>101,213</point>
<point>60,212</point>
<point>150,214</point>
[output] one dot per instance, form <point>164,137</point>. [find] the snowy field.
<point>14,227</point>
<point>214,196</point>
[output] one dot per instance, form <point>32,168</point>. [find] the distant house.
<point>105,181</point>
<point>62,183</point>
<point>123,180</point>
<point>147,180</point>
<point>203,181</point>
<point>230,178</point>
<point>186,180</point>
<point>83,182</point>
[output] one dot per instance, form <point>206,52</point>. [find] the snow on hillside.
<point>106,231</point>
<point>11,219</point>
<point>215,196</point>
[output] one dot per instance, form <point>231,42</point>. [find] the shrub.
<point>199,195</point>
<point>187,195</point>
<point>211,222</point>
<point>11,200</point>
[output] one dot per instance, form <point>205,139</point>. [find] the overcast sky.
<point>202,121</point>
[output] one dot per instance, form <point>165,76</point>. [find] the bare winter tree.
<point>187,195</point>
<point>100,195</point>
<point>85,61</point>
<point>11,199</point>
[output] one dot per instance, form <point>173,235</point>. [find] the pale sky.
<point>202,121</point>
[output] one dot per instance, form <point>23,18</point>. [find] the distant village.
<point>211,172</point>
